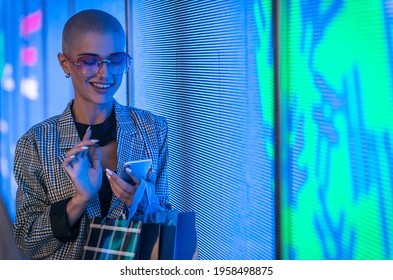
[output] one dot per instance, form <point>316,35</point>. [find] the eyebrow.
<point>87,54</point>
<point>81,54</point>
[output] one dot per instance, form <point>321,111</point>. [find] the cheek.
<point>84,83</point>
<point>80,84</point>
<point>118,80</point>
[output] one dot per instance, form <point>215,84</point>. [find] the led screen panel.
<point>207,66</point>
<point>336,68</point>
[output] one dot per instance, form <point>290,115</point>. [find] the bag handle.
<point>134,206</point>
<point>137,199</point>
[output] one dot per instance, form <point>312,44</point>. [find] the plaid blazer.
<point>42,181</point>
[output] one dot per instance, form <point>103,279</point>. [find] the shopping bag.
<point>157,241</point>
<point>166,234</point>
<point>112,239</point>
<point>115,239</point>
<point>171,235</point>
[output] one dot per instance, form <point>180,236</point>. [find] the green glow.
<point>351,56</point>
<point>264,67</point>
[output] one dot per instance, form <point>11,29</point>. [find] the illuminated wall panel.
<point>21,93</point>
<point>207,66</point>
<point>336,86</point>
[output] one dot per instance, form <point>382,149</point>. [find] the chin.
<point>100,99</point>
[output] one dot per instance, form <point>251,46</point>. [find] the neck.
<point>88,113</point>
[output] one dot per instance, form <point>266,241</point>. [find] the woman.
<point>60,163</point>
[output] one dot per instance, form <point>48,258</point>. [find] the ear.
<point>63,63</point>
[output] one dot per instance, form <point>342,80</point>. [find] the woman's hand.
<point>121,188</point>
<point>83,165</point>
<point>124,190</point>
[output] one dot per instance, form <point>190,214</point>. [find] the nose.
<point>103,69</point>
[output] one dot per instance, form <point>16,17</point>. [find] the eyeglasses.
<point>90,64</point>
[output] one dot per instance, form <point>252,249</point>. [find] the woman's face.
<point>100,88</point>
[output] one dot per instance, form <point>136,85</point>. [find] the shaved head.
<point>86,21</point>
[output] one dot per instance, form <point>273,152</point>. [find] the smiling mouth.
<point>101,86</point>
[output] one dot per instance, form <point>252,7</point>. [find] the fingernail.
<point>72,156</point>
<point>108,171</point>
<point>94,140</point>
<point>88,128</point>
<point>84,147</point>
<point>128,170</point>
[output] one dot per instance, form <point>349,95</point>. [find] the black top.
<point>105,132</point>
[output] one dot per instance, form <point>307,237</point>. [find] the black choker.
<point>105,132</point>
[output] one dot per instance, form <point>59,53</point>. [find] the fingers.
<point>151,176</point>
<point>87,134</point>
<point>76,158</point>
<point>67,163</point>
<point>87,143</point>
<point>95,156</point>
<point>121,189</point>
<point>78,152</point>
<point>86,150</point>
<point>133,178</point>
<point>119,183</point>
<point>73,157</point>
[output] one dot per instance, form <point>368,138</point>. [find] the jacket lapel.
<point>130,145</point>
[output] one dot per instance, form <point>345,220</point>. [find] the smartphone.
<point>139,169</point>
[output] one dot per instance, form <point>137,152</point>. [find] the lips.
<point>101,85</point>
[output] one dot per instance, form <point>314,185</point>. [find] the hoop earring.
<point>67,75</point>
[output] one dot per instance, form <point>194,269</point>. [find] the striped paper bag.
<point>112,239</point>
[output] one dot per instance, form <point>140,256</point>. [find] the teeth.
<point>101,85</point>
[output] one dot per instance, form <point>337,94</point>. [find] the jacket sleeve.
<point>162,188</point>
<point>32,227</point>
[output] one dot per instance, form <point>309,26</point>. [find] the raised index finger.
<point>87,134</point>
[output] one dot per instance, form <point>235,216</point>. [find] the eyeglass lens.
<point>117,63</point>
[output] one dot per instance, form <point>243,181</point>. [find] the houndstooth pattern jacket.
<point>42,181</point>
